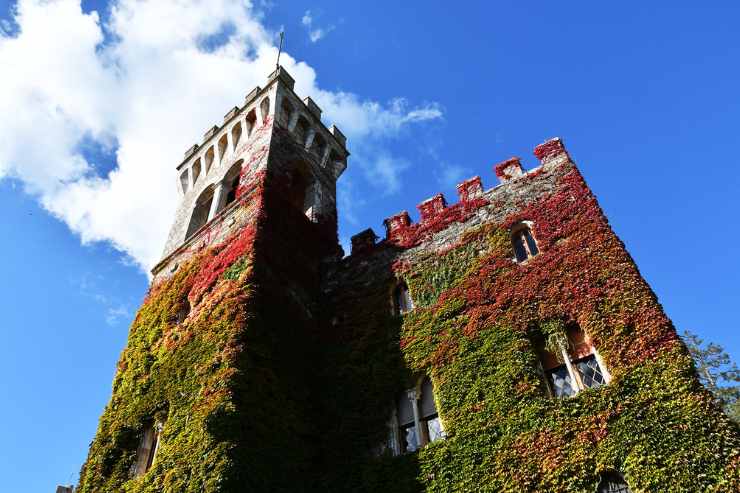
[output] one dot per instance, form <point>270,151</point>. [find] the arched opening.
<point>265,109</point>
<point>231,183</point>
<point>236,134</point>
<point>336,162</point>
<point>301,130</point>
<point>200,212</point>
<point>223,144</point>
<point>196,170</point>
<point>416,421</point>
<point>613,482</point>
<point>286,112</point>
<point>209,158</point>
<point>402,302</point>
<point>147,450</point>
<point>525,246</point>
<point>184,181</point>
<point>251,121</point>
<point>318,146</point>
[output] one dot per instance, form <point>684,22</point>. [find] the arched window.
<point>416,420</point>
<point>236,134</point>
<point>231,183</point>
<point>223,144</point>
<point>251,121</point>
<point>525,246</point>
<point>196,170</point>
<point>286,112</point>
<point>200,211</point>
<point>301,130</point>
<point>318,146</point>
<point>184,181</point>
<point>572,364</point>
<point>265,109</point>
<point>402,301</point>
<point>147,450</point>
<point>209,158</point>
<point>612,483</point>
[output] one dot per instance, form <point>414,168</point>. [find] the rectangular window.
<point>560,381</point>
<point>591,375</point>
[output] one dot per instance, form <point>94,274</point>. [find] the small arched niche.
<point>223,144</point>
<point>209,158</point>
<point>184,181</point>
<point>318,146</point>
<point>286,112</point>
<point>196,170</point>
<point>265,109</point>
<point>200,212</point>
<point>236,134</point>
<point>251,122</point>
<point>301,191</point>
<point>301,130</point>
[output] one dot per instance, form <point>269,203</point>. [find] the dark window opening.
<point>402,299</point>
<point>613,483</point>
<point>200,212</point>
<point>525,246</point>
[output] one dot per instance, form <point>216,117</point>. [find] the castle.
<point>503,343</point>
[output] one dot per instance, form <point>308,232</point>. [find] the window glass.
<point>404,303</point>
<point>530,242</point>
<point>560,381</point>
<point>409,438</point>
<point>519,250</point>
<point>591,374</point>
<point>434,427</point>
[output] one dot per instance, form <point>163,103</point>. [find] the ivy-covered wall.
<point>283,374</point>
<point>477,317</point>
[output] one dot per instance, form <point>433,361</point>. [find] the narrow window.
<point>184,181</point>
<point>402,299</point>
<point>147,450</point>
<point>573,366</point>
<point>410,441</point>
<point>301,130</point>
<point>286,112</point>
<point>209,158</point>
<point>613,483</point>
<point>251,120</point>
<point>196,170</point>
<point>431,424</point>
<point>318,146</point>
<point>525,246</point>
<point>265,109</point>
<point>223,144</point>
<point>415,422</point>
<point>200,212</point>
<point>236,134</point>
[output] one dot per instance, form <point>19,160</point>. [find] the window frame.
<point>518,234</point>
<point>570,361</point>
<point>420,423</point>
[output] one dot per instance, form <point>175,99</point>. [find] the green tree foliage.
<point>716,371</point>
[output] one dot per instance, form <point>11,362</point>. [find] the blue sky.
<point>645,97</point>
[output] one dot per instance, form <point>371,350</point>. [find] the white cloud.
<point>314,33</point>
<point>150,83</point>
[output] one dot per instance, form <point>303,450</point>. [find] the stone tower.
<point>220,356</point>
<point>503,343</point>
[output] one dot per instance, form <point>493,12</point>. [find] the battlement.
<point>240,121</point>
<point>435,214</point>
